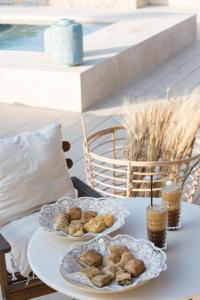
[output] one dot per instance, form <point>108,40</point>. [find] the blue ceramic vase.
<point>64,41</point>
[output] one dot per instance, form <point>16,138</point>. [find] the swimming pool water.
<point>31,37</point>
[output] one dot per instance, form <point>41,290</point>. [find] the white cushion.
<point>18,233</point>
<point>33,172</point>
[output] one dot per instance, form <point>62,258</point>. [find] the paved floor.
<point>181,74</point>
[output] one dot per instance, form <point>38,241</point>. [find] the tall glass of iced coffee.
<point>171,195</point>
<point>157,225</point>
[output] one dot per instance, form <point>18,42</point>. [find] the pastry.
<point>76,222</point>
<point>134,266</point>
<point>102,280</point>
<point>111,259</point>
<point>94,226</point>
<point>91,272</point>
<point>123,278</point>
<point>99,218</point>
<point>91,258</point>
<point>75,213</point>
<point>76,230</point>
<point>117,249</point>
<point>61,221</point>
<point>108,219</point>
<point>125,257</point>
<point>86,216</point>
<point>112,270</point>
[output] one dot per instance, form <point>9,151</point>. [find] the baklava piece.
<point>117,249</point>
<point>86,216</point>
<point>76,230</point>
<point>99,218</point>
<point>61,221</point>
<point>75,222</point>
<point>91,258</point>
<point>112,270</point>
<point>111,259</point>
<point>108,219</point>
<point>91,272</point>
<point>134,266</point>
<point>94,226</point>
<point>125,257</point>
<point>102,280</point>
<point>123,278</point>
<point>75,213</point>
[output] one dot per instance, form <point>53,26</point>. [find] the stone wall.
<point>104,4</point>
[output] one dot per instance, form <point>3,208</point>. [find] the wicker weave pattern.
<point>110,173</point>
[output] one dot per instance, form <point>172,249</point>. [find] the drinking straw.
<point>151,190</point>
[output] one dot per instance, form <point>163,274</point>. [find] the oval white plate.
<point>153,257</point>
<point>48,213</point>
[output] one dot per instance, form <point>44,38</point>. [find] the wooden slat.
<point>4,245</point>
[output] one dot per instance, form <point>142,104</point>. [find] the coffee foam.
<point>156,218</point>
<point>172,199</point>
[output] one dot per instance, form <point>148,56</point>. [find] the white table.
<point>180,281</point>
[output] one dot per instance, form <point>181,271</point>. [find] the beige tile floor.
<point>181,74</point>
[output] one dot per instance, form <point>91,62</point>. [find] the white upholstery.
<point>18,234</point>
<point>33,172</point>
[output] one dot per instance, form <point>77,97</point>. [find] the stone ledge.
<point>114,56</point>
<point>100,4</point>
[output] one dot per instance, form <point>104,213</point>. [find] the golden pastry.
<point>94,226</point>
<point>99,218</point>
<point>76,230</point>
<point>111,259</point>
<point>125,257</point>
<point>75,222</point>
<point>61,221</point>
<point>86,216</point>
<point>91,272</point>
<point>112,270</point>
<point>91,258</point>
<point>108,219</point>
<point>102,280</point>
<point>134,266</point>
<point>75,213</point>
<point>117,249</point>
<point>123,278</point>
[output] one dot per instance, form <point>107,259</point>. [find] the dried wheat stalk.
<point>162,129</point>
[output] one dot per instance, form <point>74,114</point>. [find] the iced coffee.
<point>157,225</point>
<point>171,195</point>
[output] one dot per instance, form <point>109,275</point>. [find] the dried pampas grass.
<point>162,129</point>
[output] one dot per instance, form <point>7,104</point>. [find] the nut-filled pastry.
<point>62,222</point>
<point>102,280</point>
<point>86,216</point>
<point>111,259</point>
<point>91,258</point>
<point>123,278</point>
<point>125,257</point>
<point>75,213</point>
<point>134,266</point>
<point>94,226</point>
<point>117,249</point>
<point>76,230</point>
<point>112,270</point>
<point>91,272</point>
<point>108,219</point>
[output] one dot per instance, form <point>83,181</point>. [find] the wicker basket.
<point>111,174</point>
